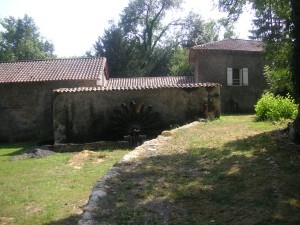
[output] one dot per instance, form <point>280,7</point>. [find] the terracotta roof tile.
<point>51,70</point>
<point>141,83</point>
<point>231,45</point>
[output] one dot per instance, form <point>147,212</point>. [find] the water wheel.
<point>135,120</point>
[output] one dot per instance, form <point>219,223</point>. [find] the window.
<point>237,77</point>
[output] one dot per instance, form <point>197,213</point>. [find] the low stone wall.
<point>84,116</point>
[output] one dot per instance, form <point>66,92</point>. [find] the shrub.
<point>271,107</point>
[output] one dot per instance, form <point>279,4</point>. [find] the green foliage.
<point>21,40</point>
<point>279,80</point>
<point>144,36</point>
<point>210,31</point>
<point>271,17</point>
<point>271,107</point>
<point>272,20</point>
<point>117,50</point>
<point>278,70</point>
<point>179,63</point>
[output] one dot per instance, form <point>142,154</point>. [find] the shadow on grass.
<point>20,148</point>
<point>247,181</point>
<point>72,220</point>
<point>93,146</point>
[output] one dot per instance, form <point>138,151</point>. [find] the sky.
<point>73,26</point>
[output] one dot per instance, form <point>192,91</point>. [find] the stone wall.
<point>85,116</point>
<point>26,109</point>
<point>212,67</point>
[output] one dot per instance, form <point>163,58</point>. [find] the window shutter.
<point>245,77</point>
<point>229,76</point>
<point>241,76</point>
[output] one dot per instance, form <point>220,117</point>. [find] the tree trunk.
<point>295,4</point>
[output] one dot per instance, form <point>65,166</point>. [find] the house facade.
<point>237,65</point>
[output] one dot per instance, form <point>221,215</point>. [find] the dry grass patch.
<point>81,158</point>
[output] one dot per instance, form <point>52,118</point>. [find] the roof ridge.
<point>241,39</point>
<point>227,39</point>
<point>55,59</point>
<point>148,77</point>
<point>138,87</point>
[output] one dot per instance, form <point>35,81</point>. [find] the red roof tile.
<point>141,83</point>
<point>52,70</point>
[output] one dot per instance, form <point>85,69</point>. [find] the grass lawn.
<point>48,190</point>
<point>231,171</point>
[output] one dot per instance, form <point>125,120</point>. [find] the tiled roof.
<point>227,45</point>
<point>52,70</point>
<point>141,83</point>
<point>231,45</point>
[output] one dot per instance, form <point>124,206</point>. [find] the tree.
<point>21,40</point>
<point>142,23</point>
<point>229,28</point>
<point>196,31</point>
<point>179,63</point>
<point>278,71</point>
<point>116,49</point>
<point>144,40</point>
<point>272,24</point>
<point>295,19</point>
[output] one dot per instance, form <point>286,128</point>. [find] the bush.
<point>271,107</point>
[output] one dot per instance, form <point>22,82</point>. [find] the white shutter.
<point>245,77</point>
<point>241,77</point>
<point>229,76</point>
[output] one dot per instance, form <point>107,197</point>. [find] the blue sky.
<point>73,26</point>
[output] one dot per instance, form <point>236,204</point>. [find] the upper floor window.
<point>237,77</point>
